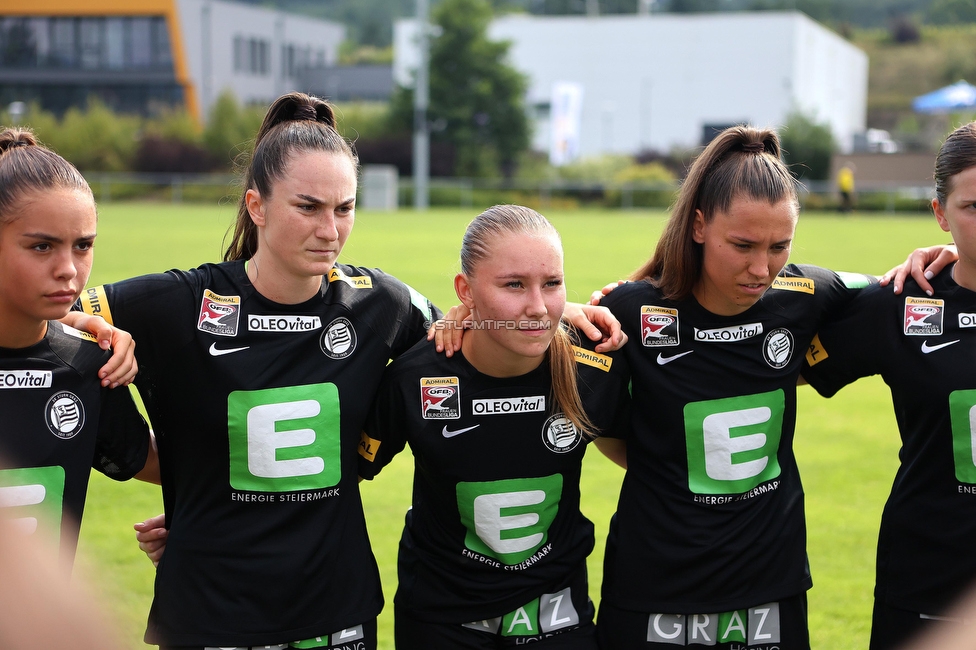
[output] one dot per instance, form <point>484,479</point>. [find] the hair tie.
<point>306,112</point>
<point>19,143</point>
<point>754,147</point>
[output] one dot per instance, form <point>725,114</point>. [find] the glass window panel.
<point>39,27</point>
<point>141,43</point>
<point>63,42</point>
<point>92,38</point>
<point>238,53</point>
<point>114,43</point>
<point>162,56</point>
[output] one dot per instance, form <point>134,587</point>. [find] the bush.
<point>595,169</point>
<point>157,154</point>
<point>96,139</point>
<point>363,120</point>
<point>807,147</point>
<point>231,129</point>
<point>650,185</point>
<point>398,151</point>
<point>904,30</point>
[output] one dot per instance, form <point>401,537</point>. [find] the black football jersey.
<point>58,423</point>
<point>921,347</point>
<point>258,409</point>
<point>710,516</point>
<point>495,520</point>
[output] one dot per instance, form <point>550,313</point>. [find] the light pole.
<point>421,130</point>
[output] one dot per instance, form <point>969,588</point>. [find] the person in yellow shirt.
<point>845,184</point>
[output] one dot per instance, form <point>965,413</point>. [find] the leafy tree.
<point>691,6</point>
<point>476,98</point>
<point>807,147</point>
<point>952,12</point>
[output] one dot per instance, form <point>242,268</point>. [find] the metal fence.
<point>472,193</point>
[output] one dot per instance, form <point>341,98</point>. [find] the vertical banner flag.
<point>566,111</point>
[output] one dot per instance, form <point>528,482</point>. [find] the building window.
<point>100,43</point>
<point>252,56</point>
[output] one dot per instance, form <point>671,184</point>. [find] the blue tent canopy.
<point>959,96</point>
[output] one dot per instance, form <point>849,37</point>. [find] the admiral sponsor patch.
<point>339,339</point>
<point>816,352</point>
<point>355,281</point>
<point>803,285</point>
<point>260,323</point>
<point>923,316</point>
<point>78,334</point>
<point>65,415</point>
<point>219,314</point>
<point>26,379</point>
<point>967,320</point>
<point>601,361</point>
<point>368,447</point>
<point>507,406</point>
<point>440,398</point>
<point>659,326</point>
<point>560,435</point>
<point>729,334</point>
<point>95,302</point>
<point>778,347</point>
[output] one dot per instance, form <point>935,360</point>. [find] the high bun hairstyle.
<point>296,122</point>
<point>957,154</point>
<point>26,167</point>
<point>483,233</point>
<point>742,161</point>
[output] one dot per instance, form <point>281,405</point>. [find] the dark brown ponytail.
<point>740,161</point>
<point>295,122</point>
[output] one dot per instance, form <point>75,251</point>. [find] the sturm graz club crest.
<point>64,414</point>
<point>778,348</point>
<point>339,339</point>
<point>560,434</point>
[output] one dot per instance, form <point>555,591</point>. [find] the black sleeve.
<point>122,444</point>
<point>419,314</point>
<point>385,431</point>
<point>850,345</point>
<point>603,381</point>
<point>148,306</point>
<point>834,289</point>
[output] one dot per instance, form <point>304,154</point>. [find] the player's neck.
<point>493,360</point>
<point>279,286</point>
<point>964,274</point>
<point>23,334</point>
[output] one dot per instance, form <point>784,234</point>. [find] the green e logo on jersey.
<point>732,442</point>
<point>32,499</point>
<point>508,520</point>
<point>284,439</point>
<point>962,413</point>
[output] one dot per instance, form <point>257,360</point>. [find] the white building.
<point>657,81</point>
<point>255,52</point>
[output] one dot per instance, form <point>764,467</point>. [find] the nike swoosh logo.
<point>451,434</point>
<point>217,352</point>
<point>662,360</point>
<point>926,348</point>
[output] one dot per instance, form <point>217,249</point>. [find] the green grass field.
<point>847,447</point>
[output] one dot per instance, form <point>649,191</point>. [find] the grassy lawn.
<point>847,447</point>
